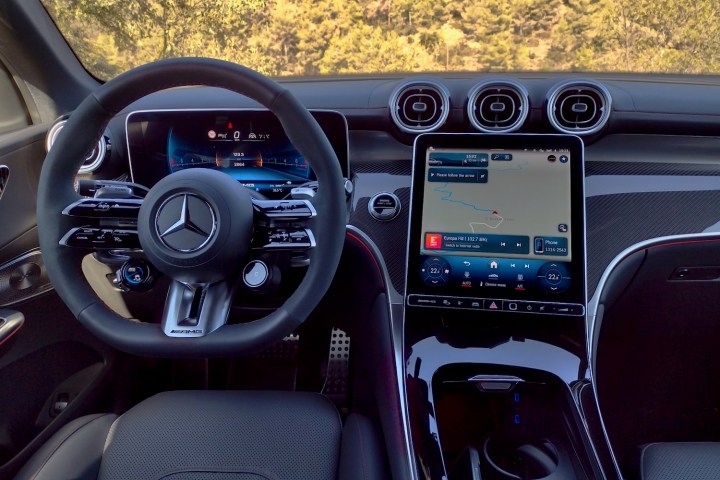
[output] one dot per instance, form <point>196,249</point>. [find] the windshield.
<point>329,37</point>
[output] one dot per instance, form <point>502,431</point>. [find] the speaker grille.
<point>23,278</point>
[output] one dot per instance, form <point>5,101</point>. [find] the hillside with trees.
<point>312,37</point>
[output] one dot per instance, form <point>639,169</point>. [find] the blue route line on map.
<point>448,198</point>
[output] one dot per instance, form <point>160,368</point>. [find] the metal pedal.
<point>336,375</point>
<point>287,349</point>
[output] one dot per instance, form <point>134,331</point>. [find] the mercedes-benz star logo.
<point>185,222</point>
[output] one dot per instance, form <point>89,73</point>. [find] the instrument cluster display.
<point>249,145</point>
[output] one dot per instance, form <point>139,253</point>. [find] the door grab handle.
<point>10,323</point>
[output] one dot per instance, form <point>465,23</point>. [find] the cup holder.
<point>521,458</point>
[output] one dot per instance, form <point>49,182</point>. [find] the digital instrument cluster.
<point>249,145</point>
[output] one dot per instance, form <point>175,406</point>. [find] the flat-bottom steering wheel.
<point>195,226</point>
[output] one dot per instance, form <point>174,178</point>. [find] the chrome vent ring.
<point>419,106</point>
<point>498,106</point>
<point>94,159</point>
<point>580,107</point>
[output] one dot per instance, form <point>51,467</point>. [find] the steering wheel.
<point>199,227</point>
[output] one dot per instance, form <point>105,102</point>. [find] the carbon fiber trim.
<point>643,168</point>
<point>615,222</point>
<point>390,236</point>
<point>390,167</point>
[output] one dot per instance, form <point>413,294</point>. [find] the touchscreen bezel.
<point>333,124</point>
<point>575,294</point>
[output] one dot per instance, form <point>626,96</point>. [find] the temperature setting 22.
<point>435,271</point>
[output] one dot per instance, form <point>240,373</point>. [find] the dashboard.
<point>653,158</point>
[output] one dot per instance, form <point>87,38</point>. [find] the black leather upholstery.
<point>206,435</point>
<point>361,456</point>
<point>680,461</point>
<point>73,452</point>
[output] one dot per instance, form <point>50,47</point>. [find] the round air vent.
<point>420,106</point>
<point>580,107</point>
<point>93,160</point>
<point>498,106</point>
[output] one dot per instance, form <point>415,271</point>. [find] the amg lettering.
<point>187,331</point>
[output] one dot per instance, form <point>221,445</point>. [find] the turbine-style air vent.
<point>93,161</point>
<point>4,176</point>
<point>579,107</point>
<point>418,107</point>
<point>498,106</point>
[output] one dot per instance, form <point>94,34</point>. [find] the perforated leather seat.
<point>210,435</point>
<point>680,461</point>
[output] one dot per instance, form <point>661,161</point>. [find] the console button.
<point>512,306</point>
<point>435,271</point>
<point>493,305</point>
<point>384,206</point>
<point>475,303</point>
<point>553,277</point>
<point>423,301</point>
<point>568,309</point>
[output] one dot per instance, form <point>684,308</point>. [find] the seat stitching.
<point>241,469</point>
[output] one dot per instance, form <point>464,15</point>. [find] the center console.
<point>495,306</point>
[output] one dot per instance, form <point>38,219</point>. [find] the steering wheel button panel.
<point>285,239</point>
<point>104,208</point>
<point>284,209</point>
<point>86,237</point>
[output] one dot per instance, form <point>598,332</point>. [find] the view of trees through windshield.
<point>314,37</point>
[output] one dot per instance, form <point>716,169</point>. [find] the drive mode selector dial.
<point>435,271</point>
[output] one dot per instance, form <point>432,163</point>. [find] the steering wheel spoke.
<point>193,311</point>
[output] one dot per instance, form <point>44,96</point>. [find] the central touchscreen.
<point>497,223</point>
